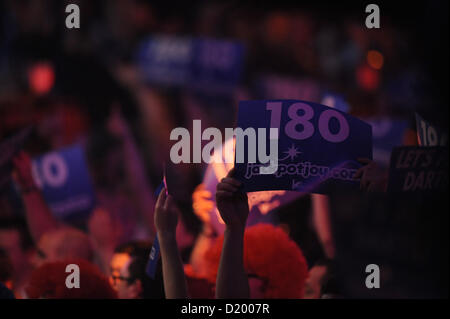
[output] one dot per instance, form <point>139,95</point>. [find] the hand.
<point>22,173</point>
<point>117,125</point>
<point>202,203</point>
<point>373,177</point>
<point>166,215</point>
<point>232,203</point>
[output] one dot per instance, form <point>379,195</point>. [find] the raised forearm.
<point>172,267</point>
<point>39,217</point>
<point>232,281</point>
<point>322,224</point>
<point>138,182</point>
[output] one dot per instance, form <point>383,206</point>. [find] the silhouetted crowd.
<point>84,87</point>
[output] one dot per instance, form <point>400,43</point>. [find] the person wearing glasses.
<point>127,272</point>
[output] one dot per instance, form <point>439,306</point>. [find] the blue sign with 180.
<point>318,146</point>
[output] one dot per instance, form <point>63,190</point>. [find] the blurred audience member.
<point>105,233</point>
<point>49,282</point>
<point>16,243</point>
<point>63,243</point>
<point>128,272</point>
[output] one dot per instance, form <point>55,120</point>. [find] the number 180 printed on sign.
<point>317,146</point>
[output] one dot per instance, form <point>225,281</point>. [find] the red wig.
<point>49,281</point>
<point>270,254</point>
<point>198,287</point>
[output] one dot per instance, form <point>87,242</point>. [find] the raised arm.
<point>39,217</point>
<point>232,203</point>
<point>166,219</point>
<point>134,168</point>
<point>322,223</point>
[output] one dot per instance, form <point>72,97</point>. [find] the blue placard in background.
<point>216,64</point>
<point>197,63</point>
<point>165,60</point>
<point>317,148</point>
<point>64,180</point>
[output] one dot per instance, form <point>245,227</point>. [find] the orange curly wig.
<point>270,254</point>
<point>49,281</point>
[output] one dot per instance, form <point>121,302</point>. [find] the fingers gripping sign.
<point>232,202</point>
<point>166,219</point>
<point>166,213</point>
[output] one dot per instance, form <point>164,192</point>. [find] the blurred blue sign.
<point>197,63</point>
<point>64,180</point>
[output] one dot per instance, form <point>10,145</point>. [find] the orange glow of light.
<point>41,77</point>
<point>375,59</point>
